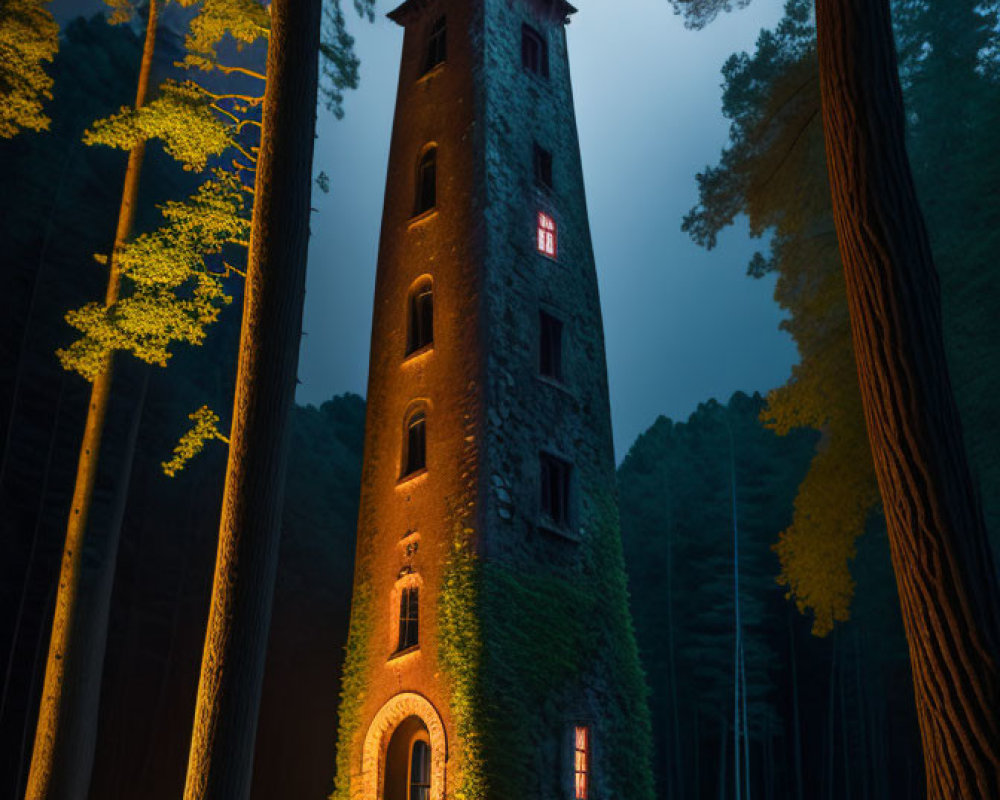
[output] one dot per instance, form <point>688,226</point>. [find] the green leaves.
<point>29,36</point>
<point>204,430</point>
<point>174,297</point>
<point>182,117</point>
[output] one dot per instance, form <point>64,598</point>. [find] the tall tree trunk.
<point>723,739</point>
<point>82,693</point>
<point>796,716</point>
<point>943,564</point>
<point>232,669</point>
<point>47,730</point>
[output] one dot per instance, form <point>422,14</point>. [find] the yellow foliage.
<point>173,297</point>
<point>205,430</point>
<point>245,21</point>
<point>29,36</point>
<point>182,117</point>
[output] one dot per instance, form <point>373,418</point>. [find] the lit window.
<point>420,771</point>
<point>543,167</point>
<point>427,182</point>
<point>409,602</point>
<point>534,52</point>
<point>550,346</point>
<point>555,479</point>
<point>415,457</point>
<point>547,243</point>
<point>437,45</point>
<point>420,311</point>
<point>581,762</point>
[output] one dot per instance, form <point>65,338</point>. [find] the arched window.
<point>437,45</point>
<point>420,313</point>
<point>409,618</point>
<point>415,444</point>
<point>426,182</point>
<point>420,770</point>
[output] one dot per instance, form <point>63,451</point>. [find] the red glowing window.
<point>581,762</point>
<point>547,242</point>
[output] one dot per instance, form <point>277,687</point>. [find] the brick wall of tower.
<point>447,245</point>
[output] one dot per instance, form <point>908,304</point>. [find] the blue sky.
<point>682,324</point>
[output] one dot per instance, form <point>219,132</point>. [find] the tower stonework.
<point>491,654</point>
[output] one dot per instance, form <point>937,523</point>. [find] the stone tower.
<point>491,653</point>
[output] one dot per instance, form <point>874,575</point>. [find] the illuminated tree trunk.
<point>944,568</point>
<point>77,744</point>
<point>232,668</point>
<point>48,726</point>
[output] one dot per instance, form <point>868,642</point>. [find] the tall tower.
<point>491,653</point>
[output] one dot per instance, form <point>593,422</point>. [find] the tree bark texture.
<point>232,669</point>
<point>940,551</point>
<point>48,727</point>
<point>77,744</point>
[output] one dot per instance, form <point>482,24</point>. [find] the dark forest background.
<point>829,717</point>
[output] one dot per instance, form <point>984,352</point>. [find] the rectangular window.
<point>437,45</point>
<point>534,52</point>
<point>409,602</point>
<point>546,232</point>
<point>581,762</point>
<point>543,167</point>
<point>550,346</point>
<point>555,477</point>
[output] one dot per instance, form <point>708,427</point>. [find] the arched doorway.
<point>408,762</point>
<point>405,751</point>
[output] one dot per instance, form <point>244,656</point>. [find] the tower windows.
<point>543,167</point>
<point>581,762</point>
<point>426,182</point>
<point>420,316</point>
<point>409,613</point>
<point>415,444</point>
<point>547,238</point>
<point>420,771</point>
<point>437,45</point>
<point>534,52</point>
<point>555,480</point>
<point>550,346</point>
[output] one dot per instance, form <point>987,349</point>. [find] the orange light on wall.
<point>547,243</point>
<point>581,762</point>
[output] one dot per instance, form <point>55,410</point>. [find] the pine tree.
<point>47,729</point>
<point>222,742</point>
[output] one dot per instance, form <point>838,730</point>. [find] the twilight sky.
<point>682,324</point>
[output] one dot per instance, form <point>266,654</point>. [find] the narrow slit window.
<point>409,609</point>
<point>543,167</point>
<point>437,45</point>
<point>534,52</point>
<point>415,458</point>
<point>550,346</point>
<point>581,762</point>
<point>420,771</point>
<point>420,326</point>
<point>426,182</point>
<point>555,480</point>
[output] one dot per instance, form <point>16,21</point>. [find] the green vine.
<point>460,651</point>
<point>353,684</point>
